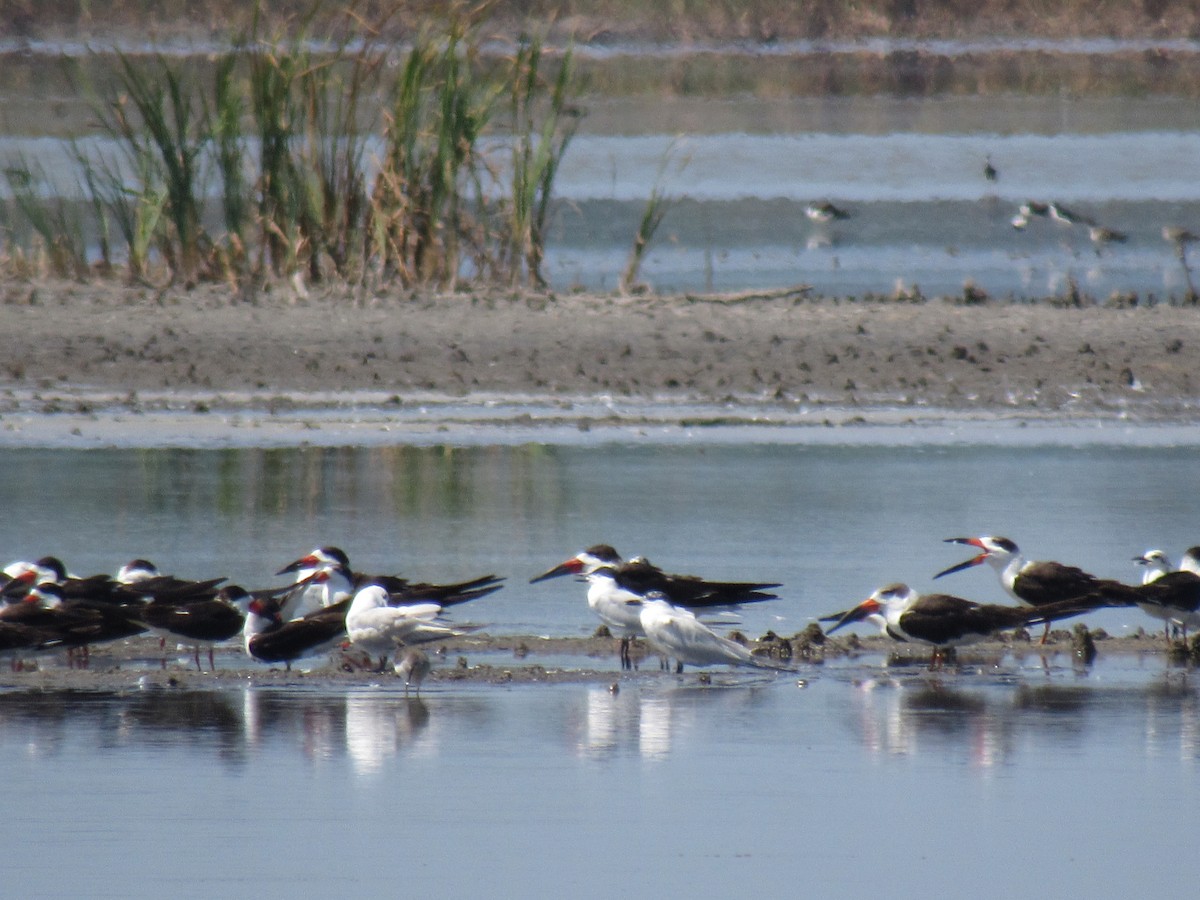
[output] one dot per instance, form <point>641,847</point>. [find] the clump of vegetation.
<point>302,159</point>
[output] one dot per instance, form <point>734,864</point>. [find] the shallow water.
<point>1025,778</point>
<point>1011,783</point>
<point>831,522</point>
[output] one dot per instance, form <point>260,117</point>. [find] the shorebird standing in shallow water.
<point>413,666</point>
<point>824,212</point>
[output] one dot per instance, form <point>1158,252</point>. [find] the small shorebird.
<point>989,171</point>
<point>413,666</point>
<point>1038,584</point>
<point>825,212</point>
<point>1064,216</point>
<point>1178,236</point>
<point>1099,235</point>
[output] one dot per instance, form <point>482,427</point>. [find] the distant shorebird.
<point>989,171</point>
<point>1178,235</point>
<point>825,212</point>
<point>1099,236</point>
<point>1064,216</point>
<point>1031,208</point>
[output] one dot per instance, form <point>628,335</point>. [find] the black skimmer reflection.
<point>943,621</point>
<point>1038,584</point>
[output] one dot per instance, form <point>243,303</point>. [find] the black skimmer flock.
<point>1169,593</point>
<point>1038,584</point>
<point>943,621</point>
<point>616,586</point>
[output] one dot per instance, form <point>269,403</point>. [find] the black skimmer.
<point>333,559</point>
<point>269,638</point>
<point>1039,584</point>
<point>1172,594</point>
<point>379,629</point>
<point>413,666</point>
<point>71,625</point>
<point>203,622</point>
<point>676,632</point>
<point>641,576</point>
<point>614,584</point>
<point>942,621</point>
<point>144,578</point>
<point>17,639</point>
<point>825,212</point>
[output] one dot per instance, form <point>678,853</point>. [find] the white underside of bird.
<point>616,607</point>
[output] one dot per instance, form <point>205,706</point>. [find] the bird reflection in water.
<point>619,720</point>
<point>897,717</point>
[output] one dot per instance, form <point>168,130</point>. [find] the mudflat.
<point>69,346</point>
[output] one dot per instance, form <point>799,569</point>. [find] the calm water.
<point>1027,779</point>
<point>1030,783</point>
<point>830,522</point>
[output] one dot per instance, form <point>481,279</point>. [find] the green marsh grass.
<point>261,165</point>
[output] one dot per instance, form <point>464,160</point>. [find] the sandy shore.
<point>104,352</point>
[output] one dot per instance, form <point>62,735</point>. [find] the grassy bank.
<point>460,189</point>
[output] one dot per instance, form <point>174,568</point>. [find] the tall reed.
<point>277,141</point>
<point>542,124</point>
<point>168,121</point>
